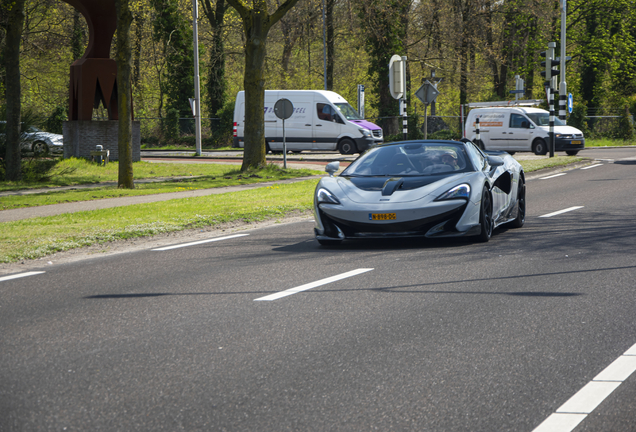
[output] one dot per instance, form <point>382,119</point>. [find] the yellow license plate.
<point>381,216</point>
<point>576,142</point>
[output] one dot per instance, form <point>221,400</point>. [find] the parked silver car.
<point>42,143</point>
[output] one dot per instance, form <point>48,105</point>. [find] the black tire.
<point>347,147</point>
<point>267,149</point>
<point>539,147</point>
<point>480,144</point>
<point>572,152</point>
<point>511,153</point>
<point>40,148</point>
<point>329,242</point>
<point>485,216</point>
<point>521,206</point>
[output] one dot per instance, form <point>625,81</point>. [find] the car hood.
<point>563,130</point>
<point>395,189</point>
<point>366,124</point>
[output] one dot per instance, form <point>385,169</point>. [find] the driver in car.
<point>450,160</point>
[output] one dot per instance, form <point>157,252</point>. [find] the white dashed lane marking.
<point>561,211</point>
<point>199,242</point>
<point>571,413</point>
<point>20,275</point>
<point>592,166</point>
<point>552,176</point>
<point>311,285</point>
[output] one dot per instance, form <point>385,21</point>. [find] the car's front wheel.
<point>347,147</point>
<point>572,152</point>
<point>521,206</point>
<point>40,148</point>
<point>539,147</point>
<point>485,216</point>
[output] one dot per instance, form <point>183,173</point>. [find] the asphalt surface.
<point>428,335</point>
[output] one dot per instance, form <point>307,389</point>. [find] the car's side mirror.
<point>332,167</point>
<point>495,161</point>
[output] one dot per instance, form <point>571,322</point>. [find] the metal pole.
<point>324,42</point>
<point>197,90</point>
<point>563,87</point>
<point>425,121</point>
<point>551,46</point>
<point>405,121</point>
<point>284,147</point>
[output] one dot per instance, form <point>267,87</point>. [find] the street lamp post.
<point>197,90</point>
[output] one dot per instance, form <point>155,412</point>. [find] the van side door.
<point>520,133</point>
<point>327,125</point>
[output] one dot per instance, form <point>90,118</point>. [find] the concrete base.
<point>81,137</point>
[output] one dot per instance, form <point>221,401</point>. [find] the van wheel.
<point>347,147</point>
<point>480,144</point>
<point>539,147</point>
<point>572,152</point>
<point>267,149</point>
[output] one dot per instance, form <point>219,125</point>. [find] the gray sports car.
<point>423,188</point>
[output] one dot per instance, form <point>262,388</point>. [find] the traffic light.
<point>549,63</point>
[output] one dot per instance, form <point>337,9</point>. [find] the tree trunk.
<point>330,43</point>
<point>254,85</point>
<point>13,92</point>
<point>256,24</point>
<point>124,92</point>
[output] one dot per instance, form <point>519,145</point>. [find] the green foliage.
<point>171,124</point>
<point>57,118</point>
<point>625,126</point>
<point>578,118</point>
<point>445,135</point>
<point>171,28</point>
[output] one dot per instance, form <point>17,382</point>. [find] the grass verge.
<point>38,237</point>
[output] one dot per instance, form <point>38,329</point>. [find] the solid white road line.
<point>574,411</point>
<point>561,211</point>
<point>21,275</point>
<point>199,242</point>
<point>311,285</point>
<point>592,166</point>
<point>552,176</point>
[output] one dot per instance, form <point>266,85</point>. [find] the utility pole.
<point>563,87</point>
<point>197,91</point>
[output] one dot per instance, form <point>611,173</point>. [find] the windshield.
<point>543,119</point>
<point>411,159</point>
<point>347,111</point>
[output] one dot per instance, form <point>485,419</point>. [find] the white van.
<point>322,120</point>
<point>516,129</point>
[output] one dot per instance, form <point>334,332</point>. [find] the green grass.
<point>607,142</point>
<point>38,237</point>
<point>223,175</point>
<point>537,164</point>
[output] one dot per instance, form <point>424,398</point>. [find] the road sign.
<point>427,93</point>
<point>397,83</point>
<point>283,109</point>
<point>517,91</point>
<point>570,103</point>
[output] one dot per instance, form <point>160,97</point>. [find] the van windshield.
<point>543,119</point>
<point>347,111</point>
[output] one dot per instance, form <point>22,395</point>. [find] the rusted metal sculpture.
<point>93,77</point>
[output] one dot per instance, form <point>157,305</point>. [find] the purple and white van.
<point>322,120</point>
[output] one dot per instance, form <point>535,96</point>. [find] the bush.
<point>578,118</point>
<point>171,124</point>
<point>56,120</point>
<point>625,127</point>
<point>445,134</point>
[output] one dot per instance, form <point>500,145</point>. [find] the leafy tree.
<point>216,82</point>
<point>256,24</point>
<point>171,28</point>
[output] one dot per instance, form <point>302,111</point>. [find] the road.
<point>405,335</point>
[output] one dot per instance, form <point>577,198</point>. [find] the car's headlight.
<point>324,196</point>
<point>461,191</point>
<point>563,136</point>
<point>366,133</point>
